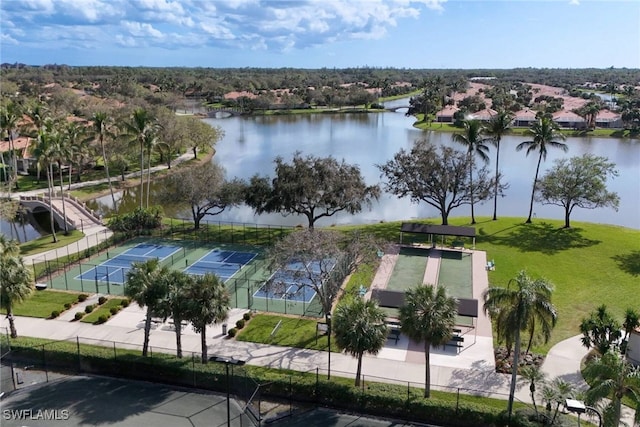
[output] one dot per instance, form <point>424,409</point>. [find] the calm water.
<point>19,229</point>
<point>251,144</point>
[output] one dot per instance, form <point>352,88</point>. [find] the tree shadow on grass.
<point>541,237</point>
<point>629,263</point>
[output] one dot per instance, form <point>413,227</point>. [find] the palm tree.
<point>42,149</point>
<point>359,328</point>
<point>611,377</point>
<point>9,116</point>
<point>137,131</point>
<point>496,128</point>
<point>532,375</point>
<point>150,142</point>
<point>59,153</point>
<point>101,130</point>
<point>557,392</point>
<point>473,139</point>
<point>145,287</point>
<point>428,316</point>
<point>176,304</point>
<point>16,282</point>
<point>208,304</point>
<point>546,133</point>
<point>517,310</point>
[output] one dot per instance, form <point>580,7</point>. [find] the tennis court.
<point>114,270</point>
<point>223,264</point>
<point>295,281</point>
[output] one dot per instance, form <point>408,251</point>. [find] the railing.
<point>82,207</point>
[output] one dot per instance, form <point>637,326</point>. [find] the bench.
<point>455,341</point>
<point>394,334</point>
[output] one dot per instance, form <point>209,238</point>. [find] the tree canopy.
<point>438,177</point>
<point>204,188</point>
<point>323,260</point>
<point>579,182</point>
<point>312,186</point>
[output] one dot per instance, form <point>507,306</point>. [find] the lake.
<point>251,143</point>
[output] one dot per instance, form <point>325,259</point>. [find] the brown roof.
<point>566,116</point>
<point>525,115</point>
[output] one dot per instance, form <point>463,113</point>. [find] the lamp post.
<point>227,361</point>
<point>329,338</point>
<point>578,407</point>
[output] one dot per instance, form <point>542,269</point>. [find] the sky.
<point>322,33</point>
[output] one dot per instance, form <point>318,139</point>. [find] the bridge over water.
<point>225,110</point>
<point>78,216</point>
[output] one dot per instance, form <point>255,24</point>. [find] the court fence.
<point>264,394</point>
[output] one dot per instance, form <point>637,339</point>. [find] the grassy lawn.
<point>42,303</point>
<point>293,332</point>
<point>589,264</point>
<point>103,309</point>
<point>45,243</point>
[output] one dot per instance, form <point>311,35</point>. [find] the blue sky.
<point>322,33</point>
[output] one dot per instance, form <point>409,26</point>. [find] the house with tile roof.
<point>608,119</point>
<point>569,119</point>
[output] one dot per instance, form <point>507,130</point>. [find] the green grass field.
<point>293,332</point>
<point>42,303</point>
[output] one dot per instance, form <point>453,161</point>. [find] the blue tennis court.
<point>295,281</point>
<point>223,264</point>
<point>114,270</point>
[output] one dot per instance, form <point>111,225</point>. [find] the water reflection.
<point>20,228</point>
<point>250,145</point>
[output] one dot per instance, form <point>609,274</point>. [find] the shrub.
<point>114,310</point>
<point>89,308</point>
<point>102,300</point>
<point>54,314</point>
<point>124,303</point>
<point>240,324</point>
<point>79,315</point>
<point>246,316</point>
<point>82,297</point>
<point>102,319</point>
<point>67,305</point>
<point>140,220</point>
<point>232,332</point>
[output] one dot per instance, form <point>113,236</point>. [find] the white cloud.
<point>574,2</point>
<point>6,38</point>
<point>141,30</point>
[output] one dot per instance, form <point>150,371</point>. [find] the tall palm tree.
<point>145,287</point>
<point>428,316</point>
<point>139,130</point>
<point>473,139</point>
<point>42,149</point>
<point>557,392</point>
<point>150,143</point>
<point>60,153</point>
<point>208,304</point>
<point>77,148</point>
<point>497,127</point>
<point>16,282</point>
<point>359,328</point>
<point>101,130</point>
<point>9,117</point>
<point>176,303</point>
<point>610,378</point>
<point>546,133</point>
<point>516,309</point>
